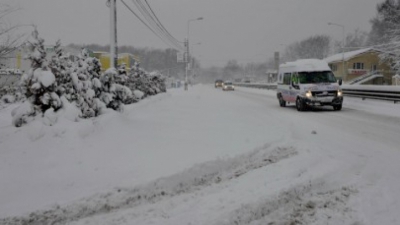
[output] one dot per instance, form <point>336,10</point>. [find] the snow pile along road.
<point>189,181</point>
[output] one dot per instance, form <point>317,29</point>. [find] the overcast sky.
<point>246,30</point>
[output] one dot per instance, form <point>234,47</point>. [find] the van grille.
<point>324,93</point>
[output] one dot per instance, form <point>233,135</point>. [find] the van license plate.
<point>325,99</point>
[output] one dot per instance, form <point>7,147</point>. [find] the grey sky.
<point>246,30</point>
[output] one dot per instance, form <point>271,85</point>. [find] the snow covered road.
<point>206,157</point>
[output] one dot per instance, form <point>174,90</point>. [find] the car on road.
<point>228,86</point>
<point>219,83</point>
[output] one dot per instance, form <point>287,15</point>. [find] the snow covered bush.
<point>86,84</point>
<point>10,94</point>
<point>61,83</point>
<point>114,95</point>
<point>38,85</point>
<point>158,80</point>
<point>139,81</point>
<point>61,67</point>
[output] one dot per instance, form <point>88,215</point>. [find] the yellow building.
<point>17,60</point>
<point>123,58</point>
<point>363,64</point>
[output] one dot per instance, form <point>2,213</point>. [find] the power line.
<point>147,17</point>
<point>156,30</point>
<point>152,21</point>
<point>161,23</point>
<point>141,20</point>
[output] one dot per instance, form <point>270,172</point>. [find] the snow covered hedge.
<point>52,87</point>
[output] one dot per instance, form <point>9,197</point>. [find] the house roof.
<point>348,55</point>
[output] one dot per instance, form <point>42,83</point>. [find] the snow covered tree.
<point>10,94</point>
<point>86,84</point>
<point>313,47</point>
<point>157,81</point>
<point>61,66</point>
<point>353,41</point>
<point>113,95</point>
<point>139,81</point>
<point>38,85</point>
<point>385,32</point>
<point>10,39</point>
<point>386,22</point>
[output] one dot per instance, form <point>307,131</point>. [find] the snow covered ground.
<point>205,157</point>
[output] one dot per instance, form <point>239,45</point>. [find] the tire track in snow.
<point>303,204</point>
<point>193,179</point>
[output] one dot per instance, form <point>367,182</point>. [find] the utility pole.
<point>187,63</point>
<point>276,60</point>
<point>113,32</point>
<point>187,50</point>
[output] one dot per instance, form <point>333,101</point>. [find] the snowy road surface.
<point>205,157</point>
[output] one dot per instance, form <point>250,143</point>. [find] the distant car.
<point>228,86</point>
<point>219,83</point>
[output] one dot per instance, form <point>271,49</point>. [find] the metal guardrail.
<point>388,93</point>
<point>255,85</point>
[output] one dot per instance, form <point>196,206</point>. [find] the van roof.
<point>306,65</point>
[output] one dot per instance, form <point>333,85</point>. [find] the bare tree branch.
<point>10,38</point>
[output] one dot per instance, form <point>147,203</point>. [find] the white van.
<point>308,82</point>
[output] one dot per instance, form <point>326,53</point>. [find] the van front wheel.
<point>337,107</point>
<point>300,105</point>
<point>282,102</point>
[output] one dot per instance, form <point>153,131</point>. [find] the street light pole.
<point>187,51</point>
<point>342,26</point>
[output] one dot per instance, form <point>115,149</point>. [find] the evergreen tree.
<point>61,67</point>
<point>113,94</point>
<point>87,86</point>
<point>38,85</point>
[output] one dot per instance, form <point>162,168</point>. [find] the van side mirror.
<point>340,81</point>
<point>296,86</point>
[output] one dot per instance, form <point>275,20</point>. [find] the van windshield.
<point>316,77</point>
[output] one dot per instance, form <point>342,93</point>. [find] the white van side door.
<point>286,88</point>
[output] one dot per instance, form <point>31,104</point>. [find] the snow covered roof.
<point>348,55</point>
<point>307,65</point>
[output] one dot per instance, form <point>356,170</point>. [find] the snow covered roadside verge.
<point>188,181</point>
<point>200,157</point>
<point>221,185</point>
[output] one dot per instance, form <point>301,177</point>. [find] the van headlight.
<point>339,93</point>
<point>308,94</point>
